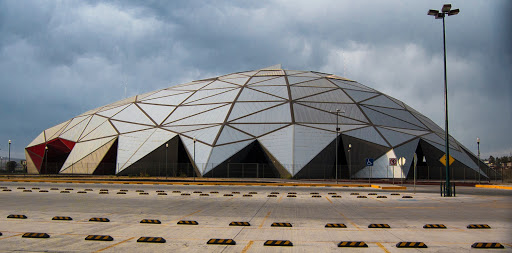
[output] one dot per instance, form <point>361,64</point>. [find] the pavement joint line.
<point>349,220</point>
<point>115,244</point>
<point>182,217</point>
<point>328,199</point>
<point>281,198</point>
<point>382,247</point>
<point>247,247</point>
<point>264,219</point>
<point>5,237</point>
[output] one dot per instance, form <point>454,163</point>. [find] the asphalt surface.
<point>308,216</point>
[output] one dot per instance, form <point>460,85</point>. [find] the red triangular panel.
<point>69,144</point>
<point>37,154</point>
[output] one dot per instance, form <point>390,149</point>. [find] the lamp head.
<point>9,141</point>
<point>446,8</point>
<point>477,140</point>
<point>349,145</point>
<point>453,12</point>
<point>432,12</point>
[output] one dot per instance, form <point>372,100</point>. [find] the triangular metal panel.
<point>409,131</point>
<point>89,163</point>
<point>239,80</point>
<point>145,95</point>
<point>191,86</point>
<point>280,145</point>
<point>165,93</point>
<point>101,131</point>
<point>231,76</point>
<point>337,96</point>
<point>276,114</point>
<point>407,151</point>
<point>249,73</point>
<point>201,151</point>
<point>169,100</point>
<point>346,110</point>
<point>299,79</point>
<point>368,134</point>
<point>317,83</point>
<point>253,95</point>
<point>111,112</point>
<point>184,129</point>
<point>429,123</point>
<point>157,112</point>
<point>351,85</point>
<point>222,153</point>
<point>332,127</point>
<point>133,114</point>
<point>74,132</point>
<point>225,97</point>
<point>401,114</point>
<point>301,92</point>
<point>308,142</point>
<point>256,79</point>
<point>395,138</point>
<point>206,135</point>
<point>273,67</point>
<point>55,131</point>
<point>217,115</point>
<point>280,81</point>
<point>189,110</point>
<point>382,101</point>
<point>83,149</point>
<point>434,138</point>
<point>219,85</point>
<point>95,122</point>
<point>280,91</point>
<point>126,127</point>
<point>230,134</point>
<point>307,74</point>
<point>119,103</point>
<point>258,129</point>
<point>360,95</point>
<point>241,109</point>
<point>294,72</point>
<point>201,94</point>
<point>304,114</point>
<point>380,168</point>
<point>384,120</point>
<point>38,140</point>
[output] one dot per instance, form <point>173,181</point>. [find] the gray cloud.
<point>59,59</point>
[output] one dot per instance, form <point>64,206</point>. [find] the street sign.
<point>369,161</point>
<point>443,160</point>
<point>393,161</point>
<point>401,161</point>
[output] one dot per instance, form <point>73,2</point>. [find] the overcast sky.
<point>59,59</point>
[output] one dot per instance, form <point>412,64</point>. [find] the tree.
<point>11,166</point>
<point>492,160</point>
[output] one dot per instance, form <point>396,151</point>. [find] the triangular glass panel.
<point>337,96</point>
<point>304,114</point>
<point>322,82</point>
<point>359,96</point>
<point>184,129</point>
<point>257,79</point>
<point>409,131</point>
<point>93,124</point>
<point>55,131</point>
<point>125,127</point>
<point>165,93</point>
<point>280,91</point>
<point>294,72</point>
<point>198,152</point>
<point>346,110</point>
<point>351,85</point>
<point>206,135</point>
<point>217,115</point>
<point>384,120</point>
<point>300,92</point>
<point>192,86</point>
<point>253,95</point>
<point>273,81</point>
<point>134,146</point>
<point>429,123</point>
<point>368,134</point>
<point>202,94</point>
<point>307,74</point>
<point>280,145</point>
<point>434,138</point>
<point>85,148</point>
<point>101,131</point>
<point>232,76</point>
<point>241,109</point>
<point>249,73</point>
<point>395,138</point>
<point>38,140</point>
<point>278,114</point>
<point>299,79</point>
<point>225,97</point>
<point>401,114</point>
<point>111,112</point>
<point>239,80</point>
<point>133,114</point>
<point>169,100</point>
<point>332,127</point>
<point>382,101</point>
<point>308,142</point>
<point>157,112</point>
<point>189,110</point>
<point>222,153</point>
<point>74,132</point>
<point>145,95</point>
<point>219,85</point>
<point>229,135</point>
<point>258,129</point>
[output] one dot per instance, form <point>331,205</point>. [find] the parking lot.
<point>293,218</point>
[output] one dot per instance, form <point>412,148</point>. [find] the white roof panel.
<point>368,134</point>
<point>276,114</point>
<point>230,134</point>
<point>133,114</point>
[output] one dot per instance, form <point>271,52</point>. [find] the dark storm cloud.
<point>59,59</point>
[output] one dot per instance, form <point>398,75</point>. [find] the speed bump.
<point>272,196</point>
<point>411,245</point>
<point>221,241</point>
<point>27,190</point>
<point>352,244</point>
<point>361,197</point>
<point>395,193</point>
<point>487,245</point>
<point>151,239</point>
<point>478,226</point>
<point>373,225</point>
<point>99,238</point>
<point>187,222</point>
<point>123,190</point>
<point>331,193</point>
<point>253,192</point>
<point>43,190</point>
<point>185,194</point>
<point>407,197</point>
<point>0,233</point>
<point>316,196</point>
<point>335,225</point>
<point>162,193</point>
<point>81,192</point>
<point>121,193</point>
<point>204,194</point>
<point>103,192</point>
<point>247,195</point>
<point>336,196</point>
<point>292,193</point>
<point>143,193</point>
<point>235,192</point>
<point>372,193</point>
<point>314,193</point>
<point>198,192</point>
<point>176,191</point>
<point>281,224</point>
<point>64,191</point>
<point>274,193</point>
<point>54,189</point>
<point>354,193</point>
<point>88,190</point>
<point>382,197</point>
<point>240,223</point>
<point>214,192</point>
<point>434,226</point>
<point>20,188</point>
<point>291,196</point>
<point>7,190</point>
<point>150,221</point>
<point>278,243</point>
<point>17,216</point>
<point>62,218</point>
<point>228,195</point>
<point>35,188</point>
<point>139,190</point>
<point>35,235</point>
<point>99,219</point>
<point>68,189</point>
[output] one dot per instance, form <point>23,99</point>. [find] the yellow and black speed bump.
<point>434,226</point>
<point>204,194</point>
<point>274,193</point>
<point>281,224</point>
<point>382,197</point>
<point>240,223</point>
<point>62,218</point>
<point>17,216</point>
<point>228,195</point>
<point>407,197</point>
<point>99,238</point>
<point>161,193</point>
<point>35,235</point>
<point>335,225</point>
<point>272,196</point>
<point>331,193</point>
<point>253,192</point>
<point>81,192</point>
<point>68,189</point>
<point>7,190</point>
<point>198,192</point>
<point>151,239</point>
<point>361,197</point>
<point>235,192</point>
<point>150,221</point>
<point>291,196</point>
<point>123,190</point>
<point>314,193</point>
<point>88,190</point>
<point>336,196</point>
<point>35,188</point>
<point>187,222</point>
<point>395,193</point>
<point>54,189</point>
<point>221,241</point>
<point>176,191</point>
<point>487,245</point>
<point>214,192</point>
<point>121,193</point>
<point>99,219</point>
<point>411,245</point>
<point>143,193</point>
<point>103,192</point>
<point>64,191</point>
<point>478,226</point>
<point>373,225</point>
<point>354,193</point>
<point>292,193</point>
<point>139,190</point>
<point>185,194</point>
<point>247,195</point>
<point>43,190</point>
<point>372,193</point>
<point>316,196</point>
<point>278,243</point>
<point>27,190</point>
<point>352,244</point>
<point>20,188</point>
<point>0,233</point>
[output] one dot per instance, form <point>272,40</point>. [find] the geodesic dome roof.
<point>291,113</point>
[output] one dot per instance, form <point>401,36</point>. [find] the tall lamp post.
<point>337,133</point>
<point>9,150</point>
<point>349,161</point>
<point>478,144</point>
<point>46,156</point>
<point>446,10</point>
<point>193,170</point>
<point>166,146</point>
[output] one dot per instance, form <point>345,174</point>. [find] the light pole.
<point>193,170</point>
<point>349,162</point>
<point>446,10</point>
<point>478,144</point>
<point>337,133</point>
<point>9,150</point>
<point>166,146</point>
<point>46,156</point>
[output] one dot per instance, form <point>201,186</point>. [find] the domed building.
<point>263,123</point>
